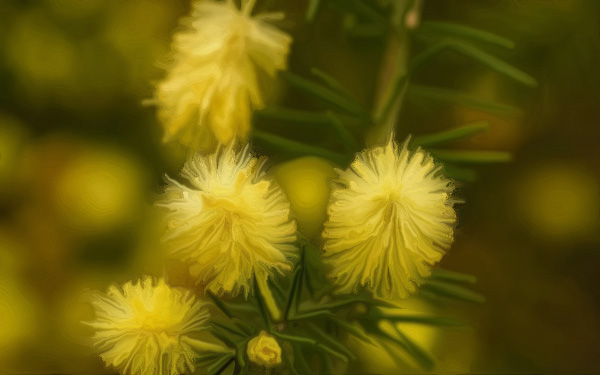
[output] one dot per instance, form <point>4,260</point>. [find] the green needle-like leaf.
<point>342,132</point>
<point>477,54</point>
<point>229,328</point>
<point>291,306</point>
<point>312,314</point>
<point>333,83</point>
<point>442,274</point>
<point>294,338</point>
<point>355,330</point>
<point>324,94</point>
<point>451,135</point>
<point>447,28</point>
<point>313,8</point>
<point>220,304</point>
<point>425,320</point>
<point>300,361</point>
<point>325,338</point>
<point>452,291</point>
<point>454,97</point>
<point>299,148</point>
<point>219,365</point>
<point>425,359</point>
<point>472,157</point>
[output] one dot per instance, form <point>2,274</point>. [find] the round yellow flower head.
<point>213,86</point>
<point>231,225</point>
<point>149,329</point>
<point>390,218</point>
<point>264,350</point>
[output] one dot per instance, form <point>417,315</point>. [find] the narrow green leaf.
<point>240,353</point>
<point>312,314</point>
<point>495,63</point>
<point>472,156</point>
<point>356,331</point>
<point>327,364</point>
<point>295,338</point>
<point>229,328</point>
<point>298,148</point>
<point>454,97</point>
<point>290,364</point>
<point>324,94</point>
<point>447,28</point>
<point>291,306</point>
<point>245,327</point>
<point>452,291</point>
<point>452,134</point>
<point>424,357</point>
<point>425,320</point>
<point>342,132</point>
<point>477,54</point>
<point>333,83</point>
<point>219,365</point>
<point>443,274</point>
<point>337,305</point>
<point>300,360</point>
<point>313,8</point>
<point>326,339</point>
<point>222,336</point>
<point>219,304</point>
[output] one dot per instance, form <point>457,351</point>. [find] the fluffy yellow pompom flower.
<point>149,329</point>
<point>390,218</point>
<point>231,225</point>
<point>213,86</point>
<point>264,350</point>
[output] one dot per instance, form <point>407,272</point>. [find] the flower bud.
<point>264,350</point>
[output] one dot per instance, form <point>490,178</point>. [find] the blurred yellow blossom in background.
<point>212,85</point>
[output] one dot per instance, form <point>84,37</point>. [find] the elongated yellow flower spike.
<point>150,328</point>
<point>212,86</point>
<point>390,218</point>
<point>232,225</point>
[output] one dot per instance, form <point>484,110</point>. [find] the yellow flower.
<point>264,350</point>
<point>149,329</point>
<point>231,225</point>
<point>390,218</point>
<point>213,86</point>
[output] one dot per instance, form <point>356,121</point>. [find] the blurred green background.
<point>81,163</point>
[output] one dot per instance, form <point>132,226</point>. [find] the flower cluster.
<point>390,218</point>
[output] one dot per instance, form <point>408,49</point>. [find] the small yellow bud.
<point>264,350</point>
